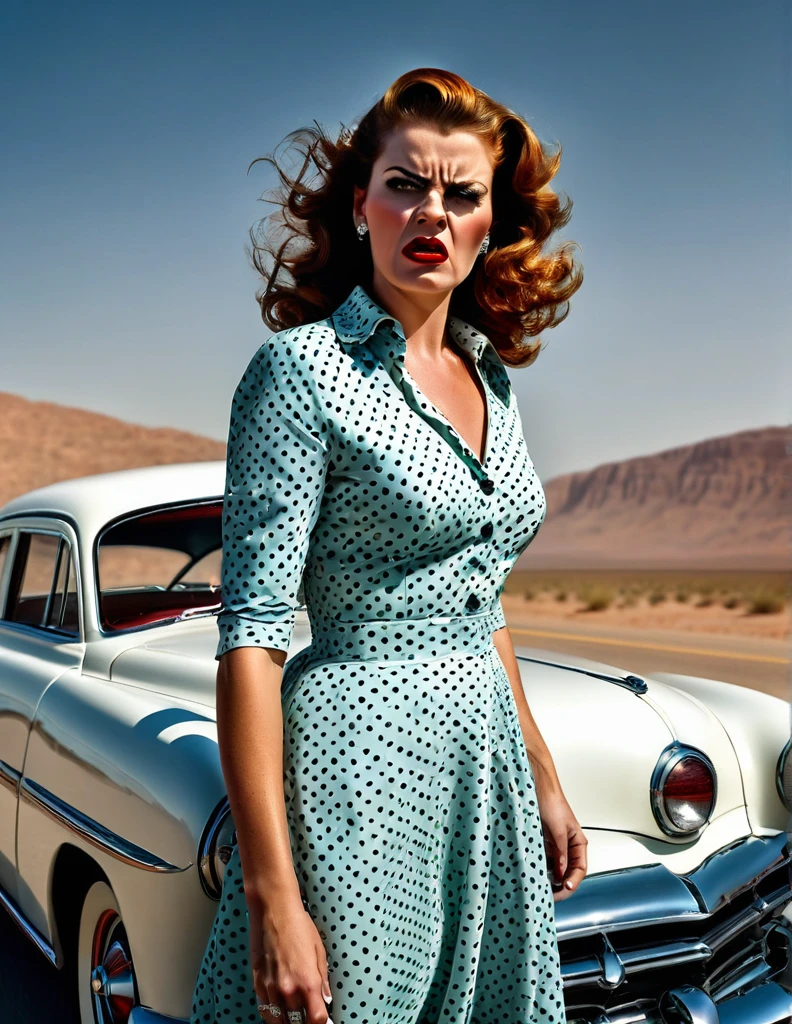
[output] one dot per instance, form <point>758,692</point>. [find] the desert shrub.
<point>656,597</point>
<point>731,602</point>
<point>561,595</point>
<point>596,597</point>
<point>765,602</point>
<point>705,601</point>
<point>682,596</point>
<point>529,594</point>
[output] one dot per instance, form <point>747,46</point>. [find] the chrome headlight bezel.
<point>783,775</point>
<point>215,848</point>
<point>668,760</point>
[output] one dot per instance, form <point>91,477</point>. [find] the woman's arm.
<point>276,465</point>
<point>566,844</point>
<point>538,752</point>
<point>250,738</point>
<point>287,956</point>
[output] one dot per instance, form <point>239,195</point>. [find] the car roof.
<point>92,501</point>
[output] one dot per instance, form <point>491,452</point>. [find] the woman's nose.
<point>433,206</point>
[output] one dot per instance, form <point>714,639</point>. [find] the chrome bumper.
<point>142,1015</point>
<point>646,946</point>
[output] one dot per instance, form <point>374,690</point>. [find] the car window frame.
<point>137,513</point>
<point>63,532</point>
<point>5,573</point>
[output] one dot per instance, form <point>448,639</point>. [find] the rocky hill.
<point>43,442</point>
<point>721,503</point>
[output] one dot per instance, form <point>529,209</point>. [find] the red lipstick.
<point>423,249</point>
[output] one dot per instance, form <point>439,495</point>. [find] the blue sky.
<point>125,200</point>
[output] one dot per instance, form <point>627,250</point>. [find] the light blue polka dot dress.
<point>414,826</point>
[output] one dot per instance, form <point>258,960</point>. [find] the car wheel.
<point>105,973</point>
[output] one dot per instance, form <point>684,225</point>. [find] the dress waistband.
<point>403,639</point>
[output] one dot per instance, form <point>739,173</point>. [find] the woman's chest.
<point>403,478</point>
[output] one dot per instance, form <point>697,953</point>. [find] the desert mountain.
<point>43,442</point>
<point>721,503</point>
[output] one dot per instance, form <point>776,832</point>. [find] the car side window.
<point>43,589</point>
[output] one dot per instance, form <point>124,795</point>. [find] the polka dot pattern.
<point>410,798</point>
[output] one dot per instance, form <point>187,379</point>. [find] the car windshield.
<point>160,564</point>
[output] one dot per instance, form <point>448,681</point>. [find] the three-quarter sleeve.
<point>276,463</point>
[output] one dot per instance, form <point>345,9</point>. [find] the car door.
<point>40,639</point>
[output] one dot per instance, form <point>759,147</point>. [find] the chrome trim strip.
<point>27,928</point>
<point>90,830</point>
<point>652,894</point>
<point>9,777</point>
<point>630,682</point>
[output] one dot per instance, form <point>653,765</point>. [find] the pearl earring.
<point>362,229</point>
<point>485,244</point>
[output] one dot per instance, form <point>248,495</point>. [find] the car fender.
<point>758,726</point>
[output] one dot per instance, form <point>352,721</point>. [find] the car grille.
<point>627,937</point>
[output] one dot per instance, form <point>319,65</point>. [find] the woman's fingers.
<point>271,996</point>
<point>310,1001</point>
<point>577,867</point>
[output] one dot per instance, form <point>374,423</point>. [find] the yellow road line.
<point>766,658</point>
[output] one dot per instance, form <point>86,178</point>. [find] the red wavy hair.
<point>513,293</point>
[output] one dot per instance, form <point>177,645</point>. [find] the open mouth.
<point>425,250</point>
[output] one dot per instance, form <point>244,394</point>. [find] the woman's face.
<point>430,186</point>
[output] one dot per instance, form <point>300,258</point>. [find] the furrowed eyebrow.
<point>426,181</point>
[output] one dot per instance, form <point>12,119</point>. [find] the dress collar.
<point>359,315</point>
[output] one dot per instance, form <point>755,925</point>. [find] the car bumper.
<point>143,1015</point>
<point>643,945</point>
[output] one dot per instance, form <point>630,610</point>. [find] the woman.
<point>390,789</point>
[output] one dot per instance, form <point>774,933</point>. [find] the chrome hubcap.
<point>112,975</point>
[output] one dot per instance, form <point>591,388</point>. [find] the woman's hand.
<point>565,844</point>
<point>288,960</point>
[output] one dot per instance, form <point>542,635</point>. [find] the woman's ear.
<point>359,204</point>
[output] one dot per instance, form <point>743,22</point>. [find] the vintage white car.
<point>115,826</point>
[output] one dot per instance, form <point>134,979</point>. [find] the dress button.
<point>486,530</point>
<point>472,603</point>
<point>488,486</point>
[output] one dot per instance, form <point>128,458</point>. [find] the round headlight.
<point>215,849</point>
<point>784,775</point>
<point>684,790</point>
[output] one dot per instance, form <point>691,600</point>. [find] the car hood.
<point>605,738</point>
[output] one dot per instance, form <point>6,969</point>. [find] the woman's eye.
<point>470,194</point>
<point>395,184</point>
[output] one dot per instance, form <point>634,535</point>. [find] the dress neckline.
<point>439,414</point>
